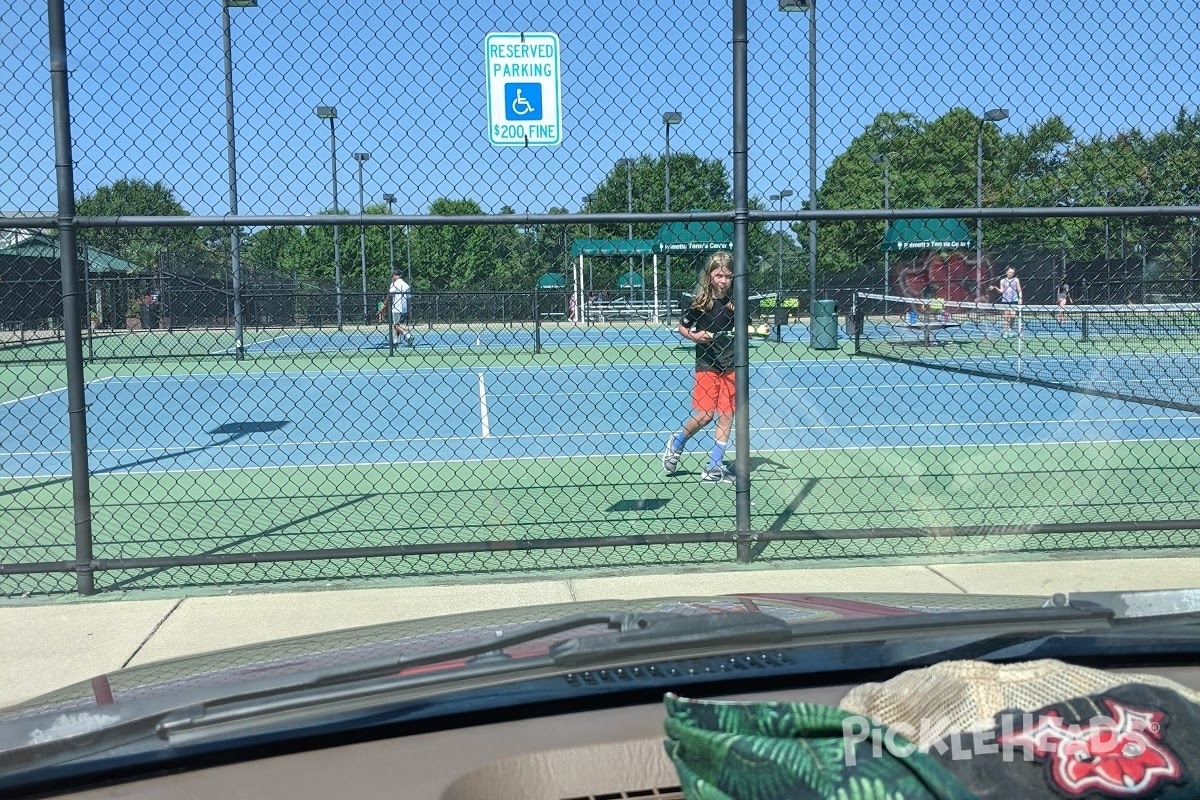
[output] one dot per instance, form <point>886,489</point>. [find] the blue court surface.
<point>414,416</point>
<point>485,337</point>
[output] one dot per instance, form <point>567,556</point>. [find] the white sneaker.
<point>721,474</point>
<point>670,457</point>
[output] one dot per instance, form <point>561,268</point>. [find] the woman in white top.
<point>1062,296</point>
<point>1010,294</point>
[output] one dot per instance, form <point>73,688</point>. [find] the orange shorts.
<point>713,392</point>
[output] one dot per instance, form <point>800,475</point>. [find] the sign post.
<point>524,90</point>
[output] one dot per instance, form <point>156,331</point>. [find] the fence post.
<point>76,396</point>
<point>856,312</point>
<point>537,322</point>
<point>1083,335</point>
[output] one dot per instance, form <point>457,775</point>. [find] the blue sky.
<point>408,82</point>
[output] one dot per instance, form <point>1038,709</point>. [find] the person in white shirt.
<point>400,293</point>
<point>1010,295</point>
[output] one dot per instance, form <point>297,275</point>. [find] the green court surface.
<point>340,507</point>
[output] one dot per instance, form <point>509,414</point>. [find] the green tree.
<point>696,184</point>
<point>185,247</point>
<point>458,257</point>
<point>930,165</point>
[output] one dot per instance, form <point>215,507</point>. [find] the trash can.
<point>824,335</point>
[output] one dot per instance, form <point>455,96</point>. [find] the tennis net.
<point>1147,353</point>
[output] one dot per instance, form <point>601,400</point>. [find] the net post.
<point>537,322</point>
<point>856,313</point>
<point>1020,338</point>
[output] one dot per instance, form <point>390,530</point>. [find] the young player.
<point>709,323</point>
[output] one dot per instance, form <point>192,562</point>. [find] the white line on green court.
<point>33,396</point>
<point>48,392</point>
<point>607,456</point>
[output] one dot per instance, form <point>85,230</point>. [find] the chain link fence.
<point>313,291</point>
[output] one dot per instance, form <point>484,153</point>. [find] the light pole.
<point>810,7</point>
<point>991,115</point>
<point>783,193</point>
<point>330,113</point>
<point>587,202</point>
<point>1139,249</point>
<point>882,158</point>
<point>408,255</point>
<point>362,158</point>
<point>389,199</point>
<point>235,258</point>
<point>669,118</point>
<point>627,163</point>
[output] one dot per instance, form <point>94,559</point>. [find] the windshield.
<point>315,316</point>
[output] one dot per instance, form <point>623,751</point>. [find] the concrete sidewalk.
<point>43,647</point>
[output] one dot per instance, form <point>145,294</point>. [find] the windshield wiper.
<point>1133,613</point>
<point>653,631</point>
<point>630,636</point>
<point>30,743</point>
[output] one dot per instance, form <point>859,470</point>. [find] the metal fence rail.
<point>379,294</point>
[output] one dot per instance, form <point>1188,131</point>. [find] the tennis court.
<point>1149,353</point>
<point>367,340</point>
<point>348,453</point>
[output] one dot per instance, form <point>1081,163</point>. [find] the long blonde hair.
<point>705,293</point>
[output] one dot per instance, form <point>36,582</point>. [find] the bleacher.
<point>623,309</point>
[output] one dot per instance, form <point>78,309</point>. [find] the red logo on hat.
<point>1121,756</point>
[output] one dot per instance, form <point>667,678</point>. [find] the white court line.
<point>755,390</point>
<point>33,396</point>
<point>657,367</point>
<point>230,350</point>
<point>594,457</point>
<point>484,427</point>
<point>573,368</point>
<point>418,440</point>
<point>87,385</point>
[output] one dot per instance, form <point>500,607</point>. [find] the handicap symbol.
<point>521,106</point>
<point>523,101</point>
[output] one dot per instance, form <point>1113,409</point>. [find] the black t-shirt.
<point>716,356</point>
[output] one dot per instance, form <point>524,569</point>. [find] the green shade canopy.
<point>694,237</point>
<point>906,235</point>
<point>611,247</point>
<point>552,280</point>
<point>98,262</point>
<point>628,279</point>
